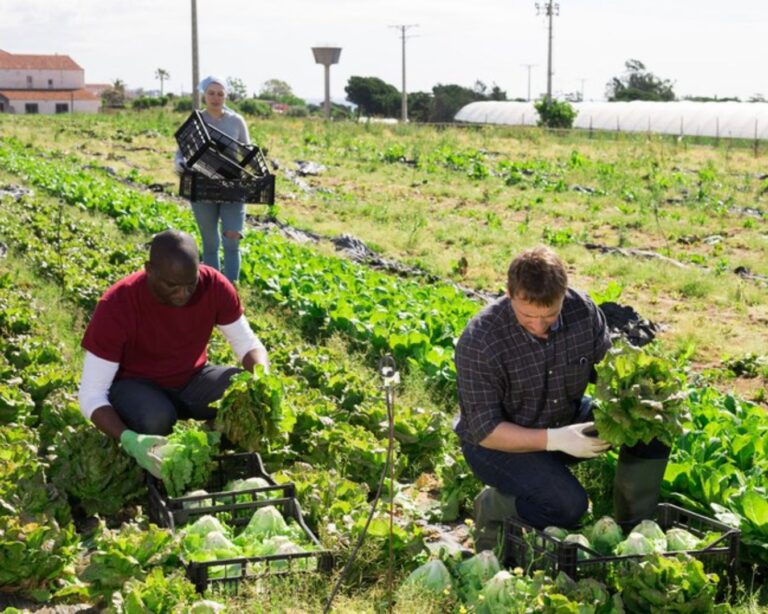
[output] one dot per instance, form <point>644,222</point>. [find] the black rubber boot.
<point>491,509</point>
<point>636,488</point>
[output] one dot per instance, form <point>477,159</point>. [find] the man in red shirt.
<point>146,348</point>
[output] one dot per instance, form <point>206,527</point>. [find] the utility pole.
<point>550,9</point>
<point>529,66</point>
<point>404,93</point>
<point>582,88</point>
<point>195,64</point>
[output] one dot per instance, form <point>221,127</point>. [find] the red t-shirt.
<point>162,343</point>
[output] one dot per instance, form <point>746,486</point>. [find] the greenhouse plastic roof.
<point>723,119</point>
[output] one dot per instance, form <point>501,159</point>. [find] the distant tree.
<point>555,113</point>
<point>163,75</point>
<point>480,89</point>
<point>420,106</point>
<point>483,93</point>
<point>236,89</point>
<point>340,111</point>
<point>259,108</point>
<point>639,84</point>
<point>756,98</point>
<point>114,96</point>
<point>373,96</point>
<point>183,104</point>
<point>497,93</point>
<point>145,102</point>
<point>274,89</point>
<point>448,99</point>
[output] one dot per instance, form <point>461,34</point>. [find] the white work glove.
<point>572,440</point>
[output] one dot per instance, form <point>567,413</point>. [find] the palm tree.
<point>114,96</point>
<point>162,74</point>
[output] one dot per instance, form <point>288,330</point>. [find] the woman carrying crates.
<point>221,223</point>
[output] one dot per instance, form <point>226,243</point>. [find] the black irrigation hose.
<point>388,376</point>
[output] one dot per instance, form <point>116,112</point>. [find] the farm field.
<point>456,203</point>
<point>459,203</point>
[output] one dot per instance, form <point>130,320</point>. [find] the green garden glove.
<point>143,448</point>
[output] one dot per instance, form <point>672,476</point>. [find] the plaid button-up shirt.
<point>506,374</point>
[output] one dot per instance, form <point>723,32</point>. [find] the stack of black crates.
<point>530,548</point>
<point>239,506</point>
<point>220,168</point>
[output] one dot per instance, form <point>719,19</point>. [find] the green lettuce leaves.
<point>638,397</point>
<point>187,457</point>
<point>252,412</point>
<point>91,468</point>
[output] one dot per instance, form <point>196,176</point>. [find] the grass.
<point>55,313</point>
<point>643,192</point>
<point>309,596</point>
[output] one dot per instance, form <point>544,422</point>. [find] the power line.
<point>550,9</point>
<point>404,93</point>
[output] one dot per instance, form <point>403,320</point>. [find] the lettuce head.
<point>266,522</point>
<point>654,534</point>
<point>605,535</point>
<point>636,543</point>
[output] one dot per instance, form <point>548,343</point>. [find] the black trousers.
<point>150,409</point>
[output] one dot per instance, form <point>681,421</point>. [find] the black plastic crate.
<point>227,574</point>
<point>222,168</point>
<point>530,548</point>
<point>257,190</point>
<point>172,512</point>
<point>215,154</point>
<point>202,154</point>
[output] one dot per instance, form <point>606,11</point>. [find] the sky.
<point>705,48</point>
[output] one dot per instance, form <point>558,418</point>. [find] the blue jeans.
<point>232,216</point>
<point>150,409</point>
<point>546,491</point>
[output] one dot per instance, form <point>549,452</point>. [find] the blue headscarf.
<point>211,79</point>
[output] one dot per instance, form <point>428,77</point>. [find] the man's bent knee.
<point>561,512</point>
<point>158,423</point>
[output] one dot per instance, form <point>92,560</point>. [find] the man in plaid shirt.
<point>522,366</point>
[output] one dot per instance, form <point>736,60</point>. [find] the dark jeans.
<point>150,409</point>
<point>546,491</point>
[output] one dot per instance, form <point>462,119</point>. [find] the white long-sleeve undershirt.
<point>240,337</point>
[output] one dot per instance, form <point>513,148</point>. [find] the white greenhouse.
<point>715,119</point>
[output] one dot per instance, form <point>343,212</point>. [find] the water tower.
<point>327,56</point>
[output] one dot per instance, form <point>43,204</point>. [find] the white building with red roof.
<point>44,84</point>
